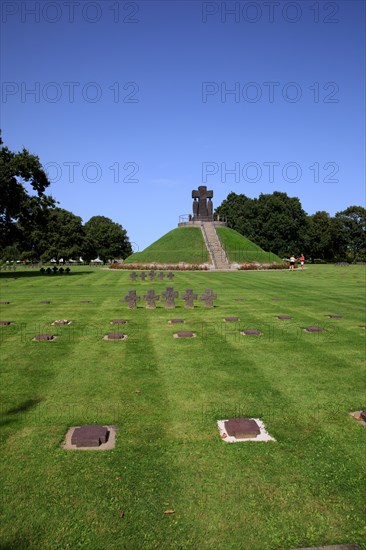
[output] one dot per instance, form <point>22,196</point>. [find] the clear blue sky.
<point>144,90</point>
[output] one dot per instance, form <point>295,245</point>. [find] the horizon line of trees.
<point>33,228</point>
<point>277,223</point>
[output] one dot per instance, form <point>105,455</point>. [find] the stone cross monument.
<point>202,204</point>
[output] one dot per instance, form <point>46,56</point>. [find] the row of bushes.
<point>254,267</point>
<point>54,270</point>
<point>160,267</point>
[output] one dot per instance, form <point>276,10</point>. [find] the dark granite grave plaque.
<point>284,317</point>
<point>115,336</point>
<point>335,316</point>
<point>170,276</point>
<point>4,323</point>
<point>208,297</point>
<point>314,329</point>
<point>175,321</point>
<point>151,298</point>
<point>61,322</point>
<point>152,275</point>
<point>131,298</point>
<point>85,301</point>
<point>188,296</point>
<point>276,298</point>
<point>363,415</point>
<point>133,276</point>
<point>242,428</point>
<point>161,276</point>
<point>143,276</point>
<point>4,303</point>
<point>231,319</point>
<point>90,436</point>
<point>251,332</point>
<point>45,302</point>
<point>118,321</point>
<point>43,337</point>
<point>169,296</point>
<point>185,334</point>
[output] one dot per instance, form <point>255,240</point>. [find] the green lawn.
<point>183,244</point>
<point>240,249</point>
<point>305,489</point>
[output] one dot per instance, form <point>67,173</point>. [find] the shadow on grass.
<point>32,274</point>
<point>25,406</point>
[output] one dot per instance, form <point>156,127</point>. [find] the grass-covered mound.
<point>240,249</point>
<point>183,244</point>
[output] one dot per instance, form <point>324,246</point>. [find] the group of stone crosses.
<point>152,274</point>
<point>169,295</point>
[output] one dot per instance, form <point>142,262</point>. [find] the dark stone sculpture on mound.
<point>202,204</point>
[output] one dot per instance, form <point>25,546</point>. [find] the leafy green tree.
<point>105,239</point>
<point>319,237</point>
<point>16,205</point>
<point>62,236</point>
<point>351,232</point>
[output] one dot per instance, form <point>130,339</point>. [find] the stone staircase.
<point>217,253</point>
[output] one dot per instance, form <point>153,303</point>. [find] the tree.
<point>105,239</point>
<point>16,205</point>
<point>319,237</point>
<point>62,236</point>
<point>275,222</point>
<point>351,232</point>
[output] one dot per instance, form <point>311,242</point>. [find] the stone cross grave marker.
<point>143,275</point>
<point>208,297</point>
<point>170,276</point>
<point>161,276</point>
<point>132,299</point>
<point>188,297</point>
<point>133,276</point>
<point>152,275</point>
<point>150,298</point>
<point>169,295</point>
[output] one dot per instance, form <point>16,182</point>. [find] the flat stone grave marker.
<point>276,298</point>
<point>242,428</point>
<point>133,276</point>
<point>143,276</point>
<point>131,298</point>
<point>251,332</point>
<point>44,337</point>
<point>4,303</point>
<point>169,296</point>
<point>284,317</point>
<point>175,321</point>
<point>151,298</point>
<point>152,275</point>
<point>231,319</point>
<point>161,276</point>
<point>115,336</point>
<point>89,436</point>
<point>208,297</point>
<point>314,329</point>
<point>170,276</point>
<point>85,301</point>
<point>234,430</point>
<point>45,302</point>
<point>335,316</point>
<point>61,322</point>
<point>185,334</point>
<point>118,322</point>
<point>5,323</point>
<point>188,296</point>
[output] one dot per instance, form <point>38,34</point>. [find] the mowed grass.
<point>240,249</point>
<point>183,244</point>
<point>305,489</point>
